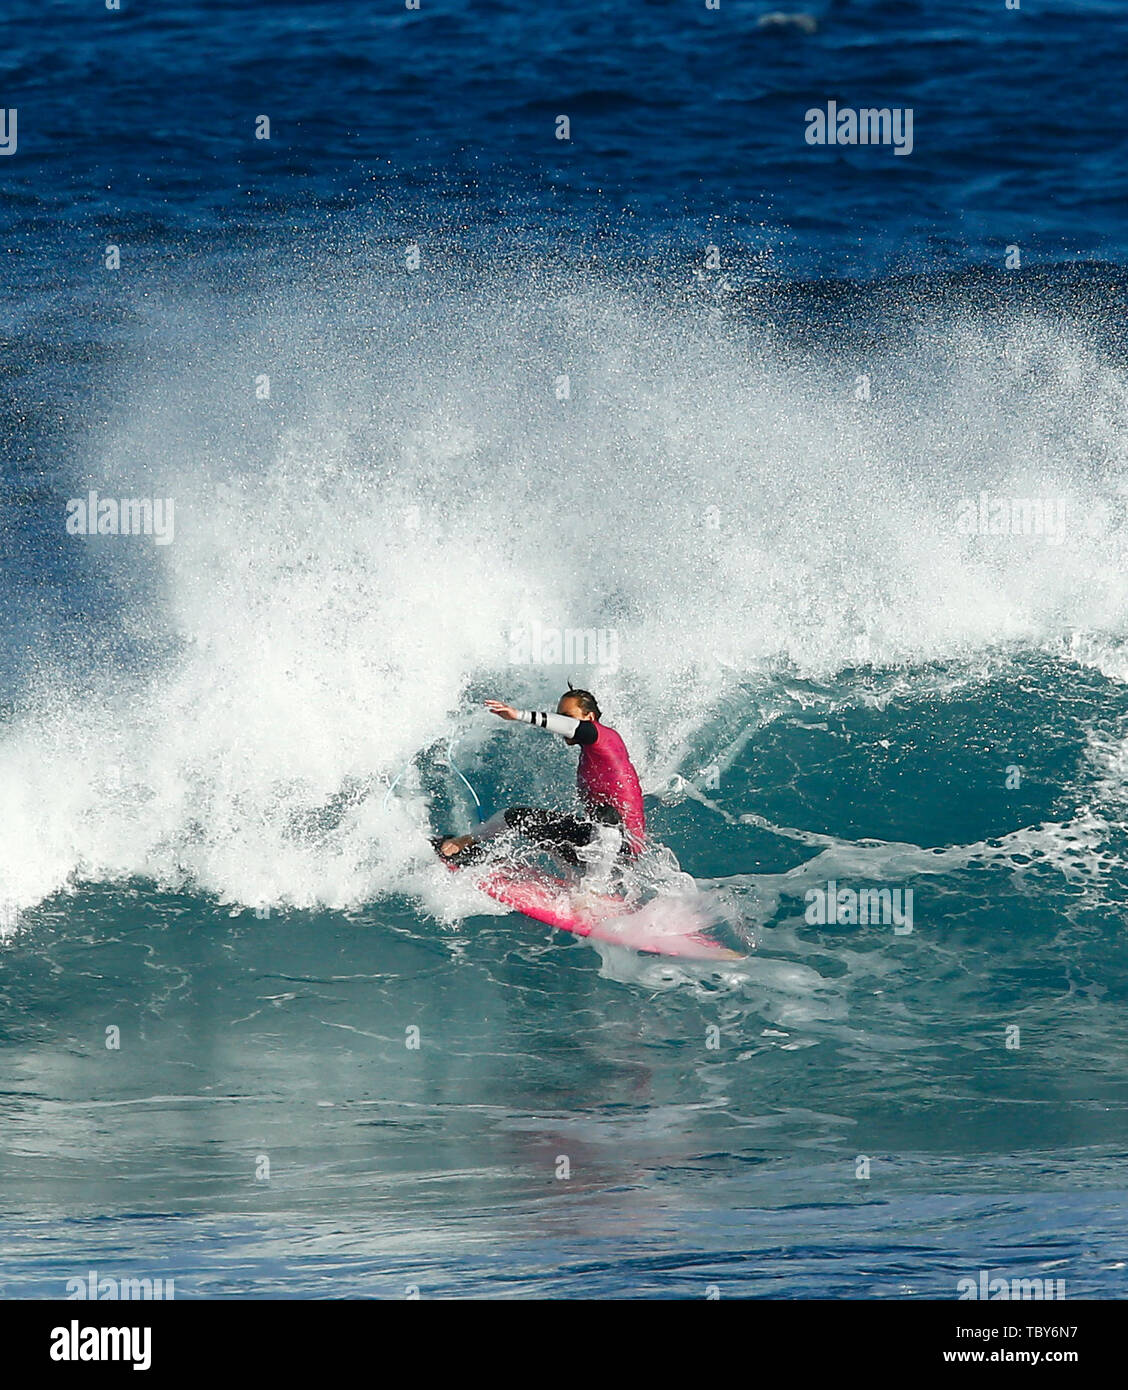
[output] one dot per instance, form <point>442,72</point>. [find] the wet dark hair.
<point>585,698</point>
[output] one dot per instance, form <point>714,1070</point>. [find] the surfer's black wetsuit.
<point>562,833</point>
<point>559,832</point>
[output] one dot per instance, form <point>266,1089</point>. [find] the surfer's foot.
<point>458,850</point>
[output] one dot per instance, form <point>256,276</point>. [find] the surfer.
<point>613,826</point>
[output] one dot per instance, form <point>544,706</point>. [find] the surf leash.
<point>450,763</point>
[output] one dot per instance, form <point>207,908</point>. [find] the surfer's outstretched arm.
<point>579,731</point>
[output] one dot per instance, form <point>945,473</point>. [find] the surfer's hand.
<point>502,711</point>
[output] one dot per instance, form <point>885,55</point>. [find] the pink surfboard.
<point>666,926</point>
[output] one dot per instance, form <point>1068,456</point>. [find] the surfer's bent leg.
<point>560,833</point>
<point>557,832</point>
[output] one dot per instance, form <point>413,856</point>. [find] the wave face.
<point>461,486</point>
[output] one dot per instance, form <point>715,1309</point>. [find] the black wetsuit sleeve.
<point>587,733</point>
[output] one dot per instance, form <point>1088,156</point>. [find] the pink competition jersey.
<point>605,775</point>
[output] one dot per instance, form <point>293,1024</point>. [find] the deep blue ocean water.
<point>417,375</point>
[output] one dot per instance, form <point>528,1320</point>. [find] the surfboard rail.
<point>663,927</point>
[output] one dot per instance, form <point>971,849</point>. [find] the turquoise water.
<point>285,1036</point>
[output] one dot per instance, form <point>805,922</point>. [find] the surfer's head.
<point>578,704</point>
